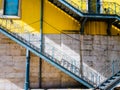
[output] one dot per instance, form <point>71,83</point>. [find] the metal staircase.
<point>110,83</point>
<point>109,11</point>
<point>56,57</point>
<point>62,64</point>
<point>89,78</point>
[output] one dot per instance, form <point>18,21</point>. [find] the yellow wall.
<point>29,20</point>
<point>54,22</point>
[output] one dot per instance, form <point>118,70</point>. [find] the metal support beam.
<point>41,41</point>
<point>26,87</point>
<point>82,25</point>
<point>40,73</point>
<point>44,57</point>
<point>109,27</point>
<point>41,25</point>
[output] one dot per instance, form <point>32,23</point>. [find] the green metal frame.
<point>27,72</point>
<point>41,41</point>
<point>82,25</point>
<point>37,52</point>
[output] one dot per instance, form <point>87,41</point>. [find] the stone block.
<point>50,75</point>
<point>87,37</point>
<point>54,83</point>
<point>86,47</point>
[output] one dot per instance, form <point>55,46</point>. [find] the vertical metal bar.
<point>41,41</point>
<point>98,80</point>
<point>81,61</point>
<point>113,67</point>
<point>41,25</point>
<point>27,70</point>
<point>82,25</point>
<point>40,73</point>
<point>53,52</point>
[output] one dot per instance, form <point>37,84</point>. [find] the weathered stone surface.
<point>98,53</point>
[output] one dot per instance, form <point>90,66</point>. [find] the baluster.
<point>68,67</point>
<point>92,78</point>
<point>62,62</point>
<point>113,68</point>
<point>77,71</point>
<point>96,81</point>
<point>65,64</point>
<point>68,64</point>
<point>99,80</point>
<point>71,68</point>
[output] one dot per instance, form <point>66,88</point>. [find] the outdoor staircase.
<point>110,82</point>
<point>68,8</point>
<point>80,13</point>
<point>61,64</point>
<point>88,79</point>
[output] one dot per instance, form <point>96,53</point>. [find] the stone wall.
<point>12,69</point>
<point>54,78</point>
<point>99,53</point>
<point>12,64</point>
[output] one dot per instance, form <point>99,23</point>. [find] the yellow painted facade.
<point>54,20</point>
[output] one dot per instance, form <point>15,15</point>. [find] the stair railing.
<point>109,8</point>
<point>55,54</point>
<point>51,52</point>
<point>110,70</point>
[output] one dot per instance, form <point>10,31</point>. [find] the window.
<point>10,8</point>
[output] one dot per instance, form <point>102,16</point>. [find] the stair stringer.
<point>36,51</point>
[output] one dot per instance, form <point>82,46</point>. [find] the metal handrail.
<point>53,53</point>
<point>105,7</point>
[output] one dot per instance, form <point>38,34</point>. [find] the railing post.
<point>98,80</point>
<point>26,87</point>
<point>41,41</point>
<point>52,52</point>
<point>113,67</point>
<point>81,61</point>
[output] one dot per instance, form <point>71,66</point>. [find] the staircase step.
<point>55,1</point>
<point>106,83</point>
<point>115,77</point>
<point>59,4</point>
<point>66,9</point>
<point>62,7</point>
<point>70,12</point>
<point>111,80</point>
<point>118,74</point>
<point>102,87</point>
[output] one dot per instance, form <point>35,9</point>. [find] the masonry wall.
<point>12,65</point>
<point>12,69</point>
<point>100,54</point>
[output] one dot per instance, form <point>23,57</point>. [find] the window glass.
<point>11,7</point>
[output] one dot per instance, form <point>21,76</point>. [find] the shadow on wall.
<point>98,53</point>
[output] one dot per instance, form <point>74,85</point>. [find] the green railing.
<point>55,54</point>
<point>96,8</point>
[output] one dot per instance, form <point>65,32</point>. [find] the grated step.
<point>102,87</point>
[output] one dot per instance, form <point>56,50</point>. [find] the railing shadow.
<point>55,54</point>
